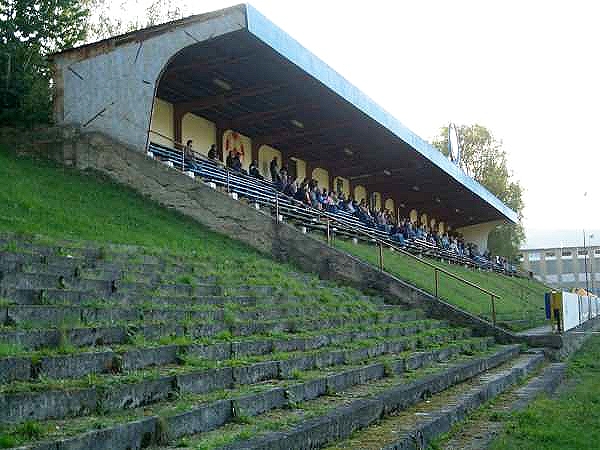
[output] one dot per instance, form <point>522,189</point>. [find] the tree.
<point>484,159</point>
<point>29,32</point>
<point>103,23</point>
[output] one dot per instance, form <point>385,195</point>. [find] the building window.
<point>533,256</point>
<point>549,256</point>
<point>568,277</point>
<point>582,277</point>
<point>582,253</point>
<point>520,258</point>
<point>566,254</point>
<point>552,278</point>
<point>597,253</point>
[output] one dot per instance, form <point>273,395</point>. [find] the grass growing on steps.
<point>522,300</point>
<point>567,422</point>
<point>43,198</point>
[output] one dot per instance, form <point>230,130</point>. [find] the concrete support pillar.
<point>178,114</point>
<point>219,132</point>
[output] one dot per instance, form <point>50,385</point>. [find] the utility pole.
<point>587,287</point>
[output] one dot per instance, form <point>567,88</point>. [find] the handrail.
<point>330,217</point>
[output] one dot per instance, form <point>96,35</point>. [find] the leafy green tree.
<point>484,159</point>
<point>30,30</point>
<point>103,23</point>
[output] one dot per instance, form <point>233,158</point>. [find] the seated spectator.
<point>188,152</point>
<point>253,169</point>
<point>229,160</point>
<point>291,188</point>
<point>236,163</point>
<point>212,152</point>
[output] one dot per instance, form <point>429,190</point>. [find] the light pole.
<point>587,287</point>
<point>592,262</point>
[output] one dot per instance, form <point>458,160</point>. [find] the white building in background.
<point>565,267</point>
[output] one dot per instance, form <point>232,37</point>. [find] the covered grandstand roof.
<point>264,84</point>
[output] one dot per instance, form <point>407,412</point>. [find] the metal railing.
<point>370,236</point>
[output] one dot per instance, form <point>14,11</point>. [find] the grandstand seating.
<point>341,223</point>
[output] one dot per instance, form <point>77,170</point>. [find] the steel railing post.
<point>277,207</point>
<point>437,282</point>
<point>328,232</point>
<point>227,172</point>
<point>381,256</point>
<point>493,309</point>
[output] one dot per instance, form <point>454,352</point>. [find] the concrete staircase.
<point>114,347</point>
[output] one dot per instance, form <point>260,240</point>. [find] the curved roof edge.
<point>288,47</point>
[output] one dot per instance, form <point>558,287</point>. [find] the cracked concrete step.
<point>314,423</point>
<point>26,317</point>
<point>131,357</point>
<point>24,401</point>
<point>22,280</point>
<point>81,297</point>
<point>416,427</point>
<point>121,334</point>
<point>99,313</point>
<point>153,424</point>
<point>479,433</point>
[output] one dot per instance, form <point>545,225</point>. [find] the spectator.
<point>274,169</point>
<point>188,151</point>
<point>229,160</point>
<point>236,163</point>
<point>212,152</point>
<point>254,170</point>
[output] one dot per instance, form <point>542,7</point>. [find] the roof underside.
<point>274,80</point>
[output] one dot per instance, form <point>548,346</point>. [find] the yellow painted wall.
<point>345,184</point>
<point>423,219</point>
<point>360,193</point>
<point>162,122</point>
<point>322,177</point>
<point>300,169</point>
<point>265,155</point>
<point>441,227</point>
<point>389,204</point>
<point>432,223</point>
<point>202,132</point>
<point>232,140</point>
<point>414,215</point>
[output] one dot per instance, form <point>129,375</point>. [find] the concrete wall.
<point>322,177</point>
<point>360,193</point>
<point>391,205</point>
<point>478,234</point>
<point>112,91</point>
<point>265,155</point>
<point>202,132</point>
<point>162,127</point>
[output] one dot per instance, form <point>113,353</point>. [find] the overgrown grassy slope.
<point>568,422</point>
<point>46,199</point>
<point>521,304</point>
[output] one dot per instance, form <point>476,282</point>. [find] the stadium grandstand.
<point>233,79</point>
<point>189,285</point>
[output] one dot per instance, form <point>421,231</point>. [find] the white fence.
<point>577,309</point>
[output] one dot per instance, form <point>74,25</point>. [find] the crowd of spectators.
<point>308,192</point>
